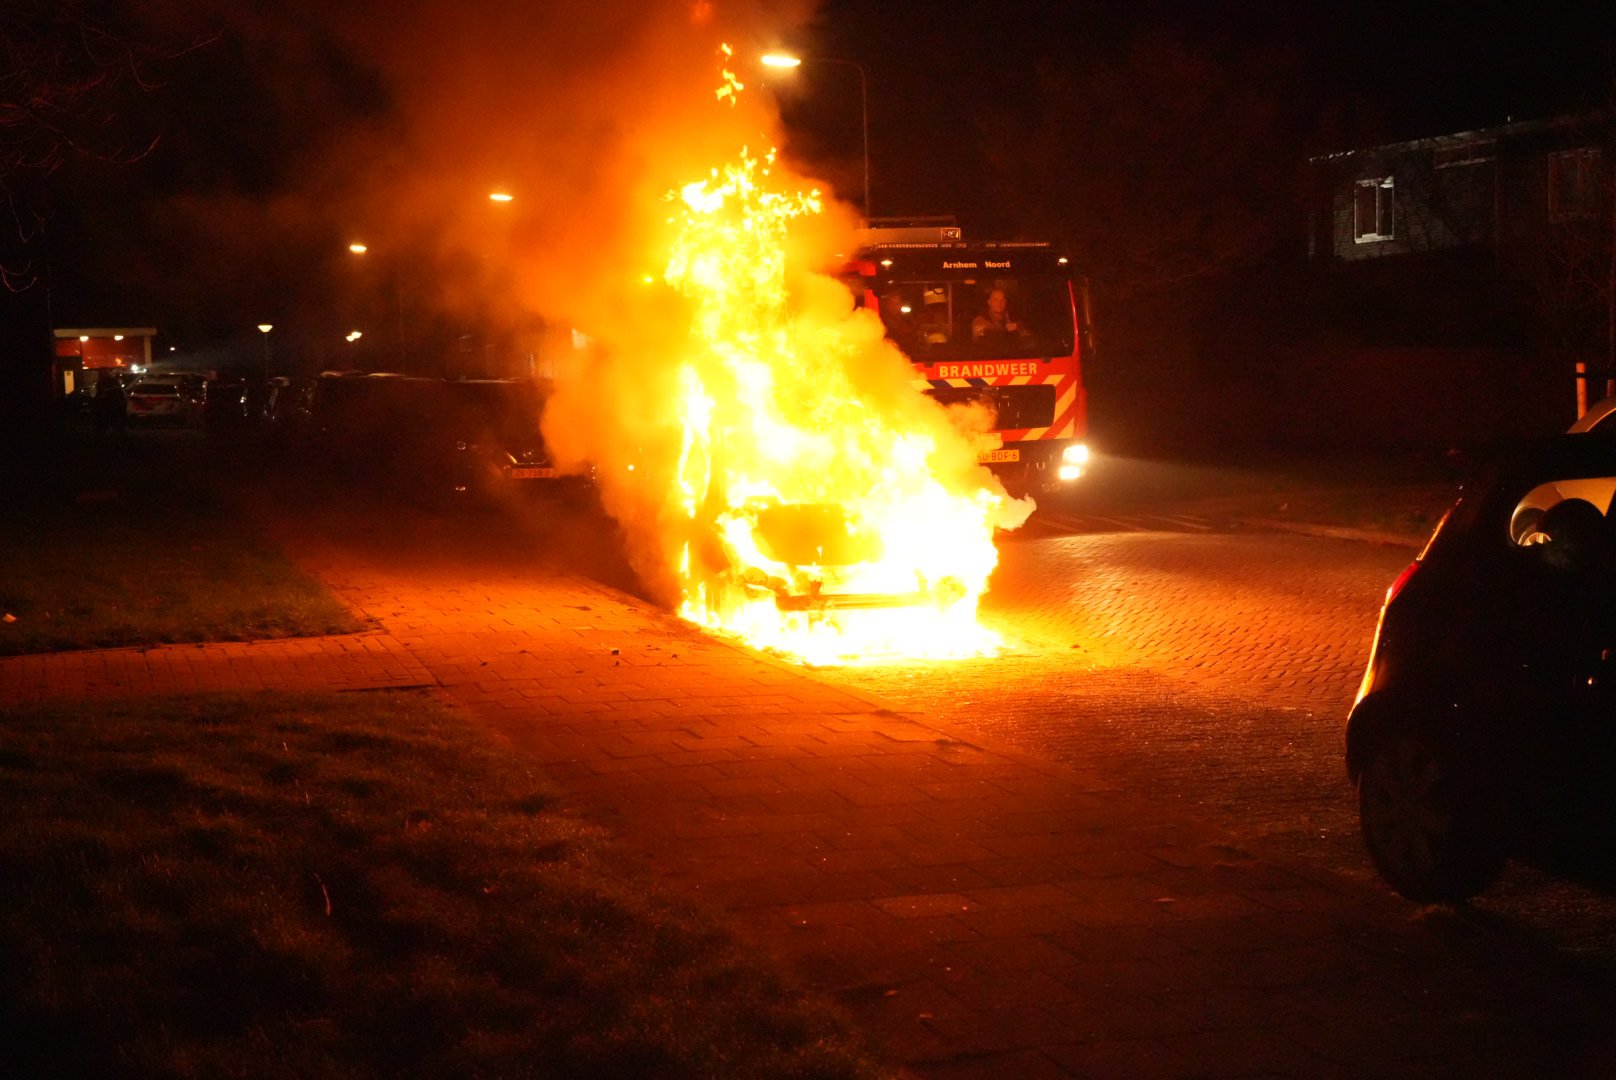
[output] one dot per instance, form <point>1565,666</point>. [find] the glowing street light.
<point>354,335</point>
<point>500,196</point>
<point>786,62</point>
<point>358,248</point>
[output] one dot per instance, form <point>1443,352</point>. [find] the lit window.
<point>1372,210</point>
<point>1573,184</point>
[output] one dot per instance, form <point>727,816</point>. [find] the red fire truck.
<point>1002,324</point>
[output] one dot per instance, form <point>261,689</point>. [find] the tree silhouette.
<point>72,73</point>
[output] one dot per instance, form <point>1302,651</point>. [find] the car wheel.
<point>1421,832</point>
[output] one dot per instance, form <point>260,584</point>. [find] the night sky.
<point>1004,114</point>
<point>1344,75</point>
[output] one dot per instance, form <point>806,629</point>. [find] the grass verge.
<point>346,886</point>
<point>150,568</point>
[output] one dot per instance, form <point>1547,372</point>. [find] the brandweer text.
<point>985,371</point>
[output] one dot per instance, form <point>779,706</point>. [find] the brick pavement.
<point>980,912</point>
<point>1275,622</point>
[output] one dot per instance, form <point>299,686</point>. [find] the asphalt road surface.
<point>1213,666</point>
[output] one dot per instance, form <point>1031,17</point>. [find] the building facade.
<point>1491,246</point>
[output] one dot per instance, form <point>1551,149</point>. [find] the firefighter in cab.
<point>996,323</point>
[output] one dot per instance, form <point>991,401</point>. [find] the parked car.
<point>94,380</point>
<point>498,451</point>
<point>289,409</point>
<point>435,440</point>
<point>1485,727</point>
<point>359,424</point>
<point>161,400</point>
<point>224,404</point>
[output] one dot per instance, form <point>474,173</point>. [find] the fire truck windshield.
<point>990,318</point>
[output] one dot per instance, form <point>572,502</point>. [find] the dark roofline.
<point>1431,142</point>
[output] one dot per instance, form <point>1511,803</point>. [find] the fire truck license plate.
<point>533,474</point>
<point>998,455</point>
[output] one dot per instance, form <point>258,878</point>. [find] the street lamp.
<point>786,61</point>
<point>264,328</point>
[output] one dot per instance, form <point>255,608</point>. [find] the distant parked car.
<point>359,423</point>
<point>160,400</point>
<point>290,405</point>
<point>435,440</point>
<point>498,450</point>
<point>224,404</point>
<point>1486,724</point>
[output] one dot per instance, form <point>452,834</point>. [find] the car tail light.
<point>1402,580</point>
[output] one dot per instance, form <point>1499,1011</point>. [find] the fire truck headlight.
<point>1074,459</point>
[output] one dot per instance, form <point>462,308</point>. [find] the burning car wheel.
<point>1420,831</point>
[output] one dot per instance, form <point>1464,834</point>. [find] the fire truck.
<point>1002,324</point>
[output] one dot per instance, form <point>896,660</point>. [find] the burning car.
<point>764,443</point>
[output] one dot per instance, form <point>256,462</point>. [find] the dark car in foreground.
<point>1485,728</point>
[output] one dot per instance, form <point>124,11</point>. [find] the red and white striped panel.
<point>1069,402</point>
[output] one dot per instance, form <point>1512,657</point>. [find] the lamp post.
<point>264,328</point>
<point>786,61</point>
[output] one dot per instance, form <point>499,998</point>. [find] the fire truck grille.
<point>1013,406</point>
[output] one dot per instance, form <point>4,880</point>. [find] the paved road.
<point>1285,618</point>
<point>1209,666</point>
<point>1217,666</point>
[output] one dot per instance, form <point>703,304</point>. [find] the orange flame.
<point>733,86</point>
<point>833,513</point>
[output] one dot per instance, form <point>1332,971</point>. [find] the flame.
<point>733,86</point>
<point>831,512</point>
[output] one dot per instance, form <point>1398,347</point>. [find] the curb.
<point>1334,532</point>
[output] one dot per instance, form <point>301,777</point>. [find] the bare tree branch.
<point>73,83</point>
